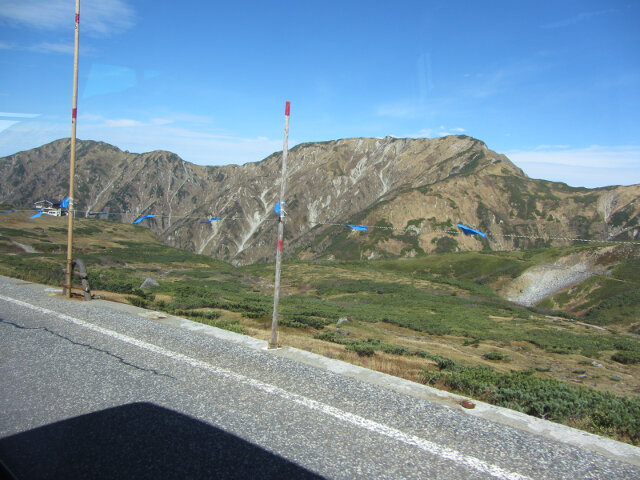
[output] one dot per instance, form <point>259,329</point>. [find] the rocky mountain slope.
<point>410,192</point>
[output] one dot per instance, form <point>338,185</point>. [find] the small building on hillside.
<point>51,208</point>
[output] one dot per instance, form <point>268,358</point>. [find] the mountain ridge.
<point>413,191</point>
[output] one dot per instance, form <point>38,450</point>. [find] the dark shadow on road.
<point>141,441</point>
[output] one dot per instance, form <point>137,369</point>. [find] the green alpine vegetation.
<point>440,319</point>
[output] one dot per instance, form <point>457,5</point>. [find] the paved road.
<point>89,390</point>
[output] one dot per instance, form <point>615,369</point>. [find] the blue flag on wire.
<point>470,231</point>
<point>277,208</point>
<point>65,203</point>
<point>358,227</point>
<point>142,218</point>
<point>211,220</point>
<point>36,215</point>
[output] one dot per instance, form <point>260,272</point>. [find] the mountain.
<point>413,191</point>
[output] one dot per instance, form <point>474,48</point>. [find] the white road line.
<point>358,421</point>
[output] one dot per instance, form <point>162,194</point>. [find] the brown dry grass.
<point>521,355</point>
<point>396,365</point>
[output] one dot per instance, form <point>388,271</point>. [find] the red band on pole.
<point>74,113</point>
<point>279,245</point>
<point>77,18</point>
<point>286,108</point>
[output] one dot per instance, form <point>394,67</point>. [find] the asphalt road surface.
<point>91,390</point>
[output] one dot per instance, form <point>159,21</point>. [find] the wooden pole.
<point>72,160</point>
<point>273,342</point>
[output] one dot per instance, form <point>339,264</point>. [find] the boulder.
<point>148,283</point>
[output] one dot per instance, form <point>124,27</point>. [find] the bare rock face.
<point>542,281</point>
<point>413,191</point>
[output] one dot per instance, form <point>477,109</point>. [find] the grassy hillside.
<point>435,319</point>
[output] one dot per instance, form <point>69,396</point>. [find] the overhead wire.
<point>413,229</point>
<point>417,230</point>
<point>139,217</point>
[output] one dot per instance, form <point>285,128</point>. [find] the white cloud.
<point>195,146</point>
<point>89,117</point>
<point>496,81</point>
<point>38,13</point>
<point>123,122</point>
<point>425,132</point>
<point>190,118</point>
<point>109,16</point>
<point>576,19</point>
<point>161,121</point>
<point>551,147</point>
<point>97,17</point>
<point>441,131</point>
<point>19,115</point>
<point>31,133</point>
<point>594,166</point>
<point>51,47</point>
<point>48,47</point>
<point>4,124</point>
<point>188,140</point>
<point>402,109</point>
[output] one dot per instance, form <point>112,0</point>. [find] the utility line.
<point>410,229</point>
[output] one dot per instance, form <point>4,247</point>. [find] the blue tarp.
<point>142,218</point>
<point>8,211</point>
<point>211,220</point>
<point>470,231</point>
<point>36,215</point>
<point>277,208</point>
<point>65,203</point>
<point>358,227</point>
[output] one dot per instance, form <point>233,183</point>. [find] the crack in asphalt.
<point>90,347</point>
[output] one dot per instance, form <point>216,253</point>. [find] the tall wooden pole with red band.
<point>72,160</point>
<point>273,342</point>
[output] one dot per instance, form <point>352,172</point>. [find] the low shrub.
<point>228,325</point>
<point>601,413</point>
<point>138,302</point>
<point>626,357</point>
<point>333,337</point>
<point>303,321</point>
<point>394,349</point>
<point>208,314</point>
<point>495,356</point>
<point>362,349</point>
<point>50,247</point>
<point>115,281</point>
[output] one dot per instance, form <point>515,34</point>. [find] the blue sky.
<point>555,85</point>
